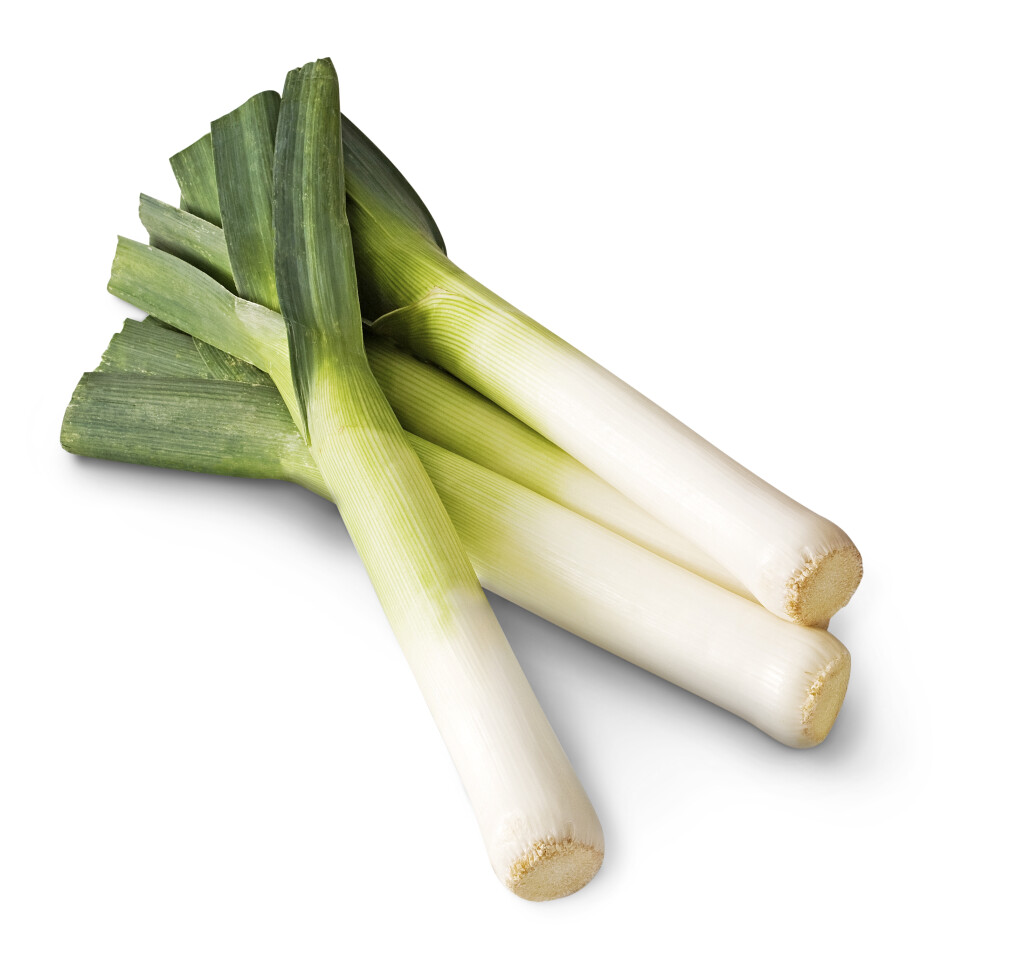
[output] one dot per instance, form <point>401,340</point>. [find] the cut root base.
<point>825,698</point>
<point>824,586</point>
<point>552,868</point>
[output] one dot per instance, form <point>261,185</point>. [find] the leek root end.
<point>553,868</point>
<point>824,586</point>
<point>825,698</point>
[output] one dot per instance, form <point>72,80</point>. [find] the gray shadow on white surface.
<point>655,715</point>
<point>536,641</point>
<point>310,512</point>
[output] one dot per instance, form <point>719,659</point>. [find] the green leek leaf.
<point>243,149</point>
<point>194,169</point>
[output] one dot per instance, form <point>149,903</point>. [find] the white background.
<point>798,226</point>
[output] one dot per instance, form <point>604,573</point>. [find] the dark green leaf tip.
<point>314,266</point>
<point>243,149</point>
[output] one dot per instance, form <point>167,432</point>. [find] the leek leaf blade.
<point>313,249</point>
<point>194,169</point>
<point>243,148</point>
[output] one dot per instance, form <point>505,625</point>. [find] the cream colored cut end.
<point>552,868</point>
<point>824,586</point>
<point>825,698</point>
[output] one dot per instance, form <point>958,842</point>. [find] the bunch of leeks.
<point>260,365</point>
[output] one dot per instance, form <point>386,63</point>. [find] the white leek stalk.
<point>797,564</point>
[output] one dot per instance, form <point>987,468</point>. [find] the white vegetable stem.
<point>797,564</point>
<point>542,835</point>
<point>788,680</point>
<point>541,832</point>
<point>434,405</point>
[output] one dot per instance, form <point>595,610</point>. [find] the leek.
<point>541,833</point>
<point>798,564</point>
<point>787,680</point>
<point>440,408</point>
<point>256,361</point>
